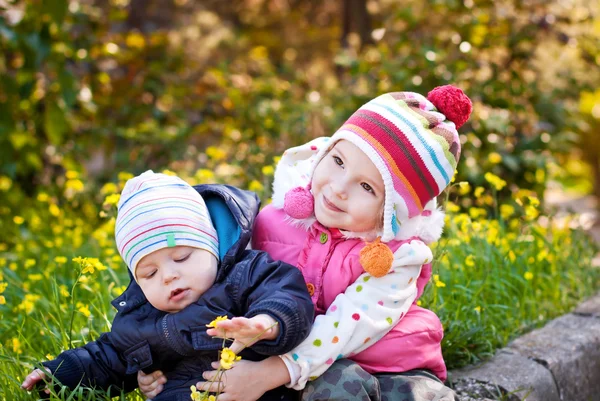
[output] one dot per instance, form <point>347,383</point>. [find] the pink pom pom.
<point>299,203</point>
<point>452,102</point>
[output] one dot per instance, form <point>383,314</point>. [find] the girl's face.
<point>348,190</point>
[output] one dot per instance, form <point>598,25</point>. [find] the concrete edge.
<point>558,362</point>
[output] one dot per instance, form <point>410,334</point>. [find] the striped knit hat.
<point>413,141</point>
<point>157,211</point>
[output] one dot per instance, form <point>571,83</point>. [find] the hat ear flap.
<point>299,203</point>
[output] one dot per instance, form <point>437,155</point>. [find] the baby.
<point>186,251</point>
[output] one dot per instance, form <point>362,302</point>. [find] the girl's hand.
<point>246,331</point>
<point>33,378</point>
<point>246,381</point>
<point>151,385</point>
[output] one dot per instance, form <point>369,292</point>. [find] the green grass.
<point>493,281</point>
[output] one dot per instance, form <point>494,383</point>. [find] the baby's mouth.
<point>178,293</point>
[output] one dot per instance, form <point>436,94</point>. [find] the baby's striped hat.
<point>158,211</point>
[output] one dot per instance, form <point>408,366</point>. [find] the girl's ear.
<point>376,258</point>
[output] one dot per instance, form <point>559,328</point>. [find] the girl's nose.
<point>339,189</point>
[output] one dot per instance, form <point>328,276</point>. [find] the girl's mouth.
<point>330,205</point>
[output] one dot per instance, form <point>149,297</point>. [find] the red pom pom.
<point>452,102</point>
<point>299,203</point>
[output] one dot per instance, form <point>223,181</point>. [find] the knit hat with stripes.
<point>158,211</point>
<point>413,141</point>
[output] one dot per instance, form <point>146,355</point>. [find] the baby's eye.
<point>183,259</point>
<point>151,274</point>
<point>338,161</point>
<point>367,187</point>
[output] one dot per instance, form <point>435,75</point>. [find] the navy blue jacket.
<point>248,283</point>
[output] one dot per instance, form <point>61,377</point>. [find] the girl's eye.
<point>151,274</point>
<point>182,259</point>
<point>367,187</point>
<point>338,161</point>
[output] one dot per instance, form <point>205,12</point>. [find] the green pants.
<point>346,380</point>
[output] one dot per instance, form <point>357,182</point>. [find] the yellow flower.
<point>61,260</point>
<point>71,175</point>
<point>506,211</point>
<point>109,188</point>
<point>169,172</point>
<point>49,357</point>
<point>5,183</point>
<point>112,199</point>
<point>54,210</point>
<point>255,186</point>
<point>470,261</point>
<point>268,170</point>
<point>452,207</point>
<point>533,201</point>
<point>124,176</point>
<point>511,256</point>
<point>479,191</point>
<point>63,291</point>
<point>3,287</point>
<point>217,320</point>
<point>465,188</point>
<point>494,158</point>
<point>16,345</point>
<point>2,300</point>
<point>35,277</point>
<point>89,268</point>
<point>215,153</point>
<point>228,358</point>
<point>74,185</point>
<point>18,220</point>
<point>528,275</point>
<point>204,175</point>
<point>84,309</point>
<point>531,212</point>
<point>200,395</point>
<point>29,263</point>
<point>42,197</point>
<point>496,181</point>
<point>477,309</point>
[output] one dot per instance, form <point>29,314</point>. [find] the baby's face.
<point>348,190</point>
<point>173,278</point>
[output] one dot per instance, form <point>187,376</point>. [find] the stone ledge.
<point>558,362</point>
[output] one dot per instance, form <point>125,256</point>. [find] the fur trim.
<point>428,228</point>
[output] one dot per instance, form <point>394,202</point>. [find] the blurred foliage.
<point>215,90</point>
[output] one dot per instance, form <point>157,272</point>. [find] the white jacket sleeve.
<point>364,313</point>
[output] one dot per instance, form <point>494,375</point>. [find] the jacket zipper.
<point>170,340</point>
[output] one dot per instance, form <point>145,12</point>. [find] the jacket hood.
<point>232,211</point>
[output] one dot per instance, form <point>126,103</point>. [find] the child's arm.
<point>275,291</point>
<point>97,364</point>
<point>359,317</point>
<point>258,286</point>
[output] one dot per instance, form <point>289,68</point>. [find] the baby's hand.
<point>246,331</point>
<point>32,378</point>
<point>151,385</point>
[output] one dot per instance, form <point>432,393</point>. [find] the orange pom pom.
<point>376,258</point>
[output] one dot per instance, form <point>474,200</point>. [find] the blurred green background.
<point>96,87</point>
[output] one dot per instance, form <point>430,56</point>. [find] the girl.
<point>354,213</point>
